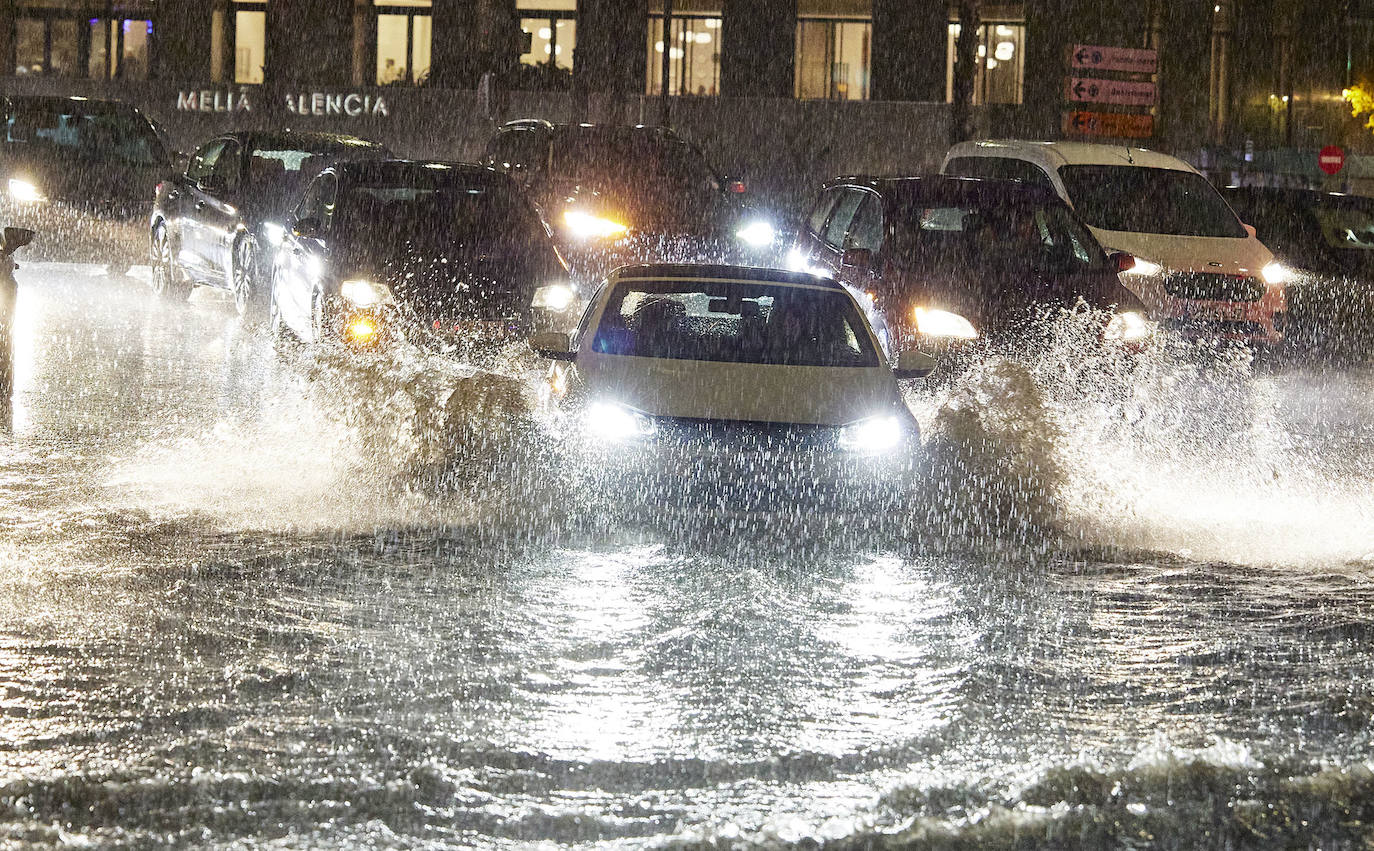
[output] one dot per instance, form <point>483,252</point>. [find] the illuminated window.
<point>693,47</point>
<point>405,32</point>
<point>1001,62</point>
<point>550,32</point>
<point>68,44</point>
<point>250,42</point>
<point>834,57</point>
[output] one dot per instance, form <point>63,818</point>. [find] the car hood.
<point>997,298</point>
<point>809,395</point>
<point>454,282</point>
<point>98,183</point>
<point>1225,255</point>
<point>646,208</point>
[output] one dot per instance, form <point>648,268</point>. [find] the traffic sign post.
<point>1331,159</point>
<point>1117,92</point>
<point>1097,57</point>
<point>1115,125</point>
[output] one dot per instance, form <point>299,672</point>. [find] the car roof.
<point>1056,154</point>
<point>387,169</point>
<point>723,272</point>
<point>1299,197</point>
<point>73,104</point>
<point>948,188</point>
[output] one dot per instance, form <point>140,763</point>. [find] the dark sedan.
<point>80,172</point>
<point>390,247</point>
<point>1328,238</point>
<point>615,194</point>
<point>950,259</point>
<point>219,223</point>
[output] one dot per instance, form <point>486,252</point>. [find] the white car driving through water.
<point>1199,269</point>
<point>741,381</point>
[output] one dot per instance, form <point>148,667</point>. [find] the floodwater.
<point>1133,609</point>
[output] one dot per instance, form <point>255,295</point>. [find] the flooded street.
<point>228,618</point>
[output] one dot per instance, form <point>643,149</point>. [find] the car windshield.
<point>118,135</point>
<point>1149,200</point>
<point>444,215</point>
<point>1346,226</point>
<point>734,322</point>
<point>1035,237</point>
<point>594,156</point>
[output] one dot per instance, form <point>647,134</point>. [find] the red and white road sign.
<point>1098,57</point>
<point>1331,159</point>
<point>1119,92</point>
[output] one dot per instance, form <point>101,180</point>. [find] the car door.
<point>806,249</point>
<point>218,210</point>
<point>193,245</point>
<point>860,249</point>
<point>831,250</point>
<point>300,283</point>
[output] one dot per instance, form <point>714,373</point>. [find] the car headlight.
<point>875,434</point>
<point>22,190</point>
<point>617,423</point>
<point>1276,273</point>
<point>757,233</point>
<point>274,232</point>
<point>1144,268</point>
<point>363,330</point>
<point>1127,327</point>
<point>555,297</point>
<point>943,323</point>
<point>361,292</point>
<point>584,225</point>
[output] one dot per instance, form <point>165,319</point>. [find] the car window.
<point>821,211</point>
<point>1040,237</point>
<point>845,208</point>
<point>318,201</point>
<point>1139,199</point>
<point>1000,168</point>
<point>1346,226</point>
<point>866,230</point>
<point>512,148</point>
<point>734,322</point>
<point>229,165</point>
<point>203,161</point>
<point>122,135</point>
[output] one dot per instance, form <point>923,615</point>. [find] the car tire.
<point>276,326</point>
<point>169,281</point>
<point>243,283</point>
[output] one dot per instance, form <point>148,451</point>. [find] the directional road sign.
<point>1121,92</point>
<point>1115,125</point>
<point>1099,57</point>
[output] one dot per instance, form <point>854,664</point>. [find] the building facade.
<point>1232,75</point>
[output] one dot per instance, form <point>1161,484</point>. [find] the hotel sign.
<point>345,104</point>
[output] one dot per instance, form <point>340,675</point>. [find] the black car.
<point>949,259</point>
<point>80,172</point>
<point>220,222</point>
<point>615,194</point>
<point>452,251</point>
<point>1328,239</point>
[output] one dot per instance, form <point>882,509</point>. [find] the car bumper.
<point>1257,322</point>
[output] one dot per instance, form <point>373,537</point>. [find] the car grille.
<point>1213,328</point>
<point>740,435</point>
<point>1213,286</point>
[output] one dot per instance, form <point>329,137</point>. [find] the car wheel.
<point>276,326</point>
<point>169,282</point>
<point>248,300</point>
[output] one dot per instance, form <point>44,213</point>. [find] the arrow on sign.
<point>1079,89</point>
<point>1081,55</point>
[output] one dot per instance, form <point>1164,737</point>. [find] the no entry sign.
<point>1331,159</point>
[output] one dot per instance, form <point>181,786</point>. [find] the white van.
<point>1198,268</point>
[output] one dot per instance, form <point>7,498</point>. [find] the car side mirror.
<point>857,258</point>
<point>1122,261</point>
<point>306,227</point>
<point>914,364</point>
<point>554,345</point>
<point>1250,229</point>
<point>15,239</point>
<point>212,184</point>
